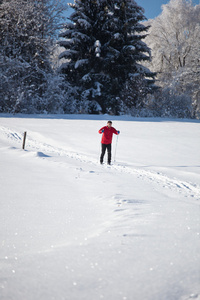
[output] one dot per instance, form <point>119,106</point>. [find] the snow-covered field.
<point>72,229</point>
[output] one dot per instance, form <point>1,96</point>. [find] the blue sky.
<point>152,7</point>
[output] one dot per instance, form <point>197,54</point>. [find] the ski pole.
<point>99,151</point>
<point>99,148</point>
<point>116,149</point>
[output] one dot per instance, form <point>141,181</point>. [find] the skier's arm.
<point>116,131</point>
<point>101,130</point>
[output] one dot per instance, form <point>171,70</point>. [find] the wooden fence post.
<point>24,141</point>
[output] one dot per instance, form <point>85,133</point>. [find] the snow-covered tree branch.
<point>175,42</point>
<point>27,37</point>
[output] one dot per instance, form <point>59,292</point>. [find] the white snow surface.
<point>74,229</point>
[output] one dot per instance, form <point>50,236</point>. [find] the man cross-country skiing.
<point>106,140</point>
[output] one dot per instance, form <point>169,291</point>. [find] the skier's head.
<point>109,124</point>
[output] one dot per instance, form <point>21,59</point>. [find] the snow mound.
<point>41,154</point>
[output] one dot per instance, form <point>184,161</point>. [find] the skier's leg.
<point>103,150</point>
<point>109,153</point>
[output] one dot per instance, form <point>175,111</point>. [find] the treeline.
<point>111,60</point>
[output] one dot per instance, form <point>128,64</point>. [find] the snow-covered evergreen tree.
<point>127,51</point>
<point>104,50</point>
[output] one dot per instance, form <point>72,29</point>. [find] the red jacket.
<point>107,134</point>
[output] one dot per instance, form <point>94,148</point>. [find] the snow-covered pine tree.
<point>83,53</point>
<point>126,51</point>
<point>104,49</point>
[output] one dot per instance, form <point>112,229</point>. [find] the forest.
<point>105,58</point>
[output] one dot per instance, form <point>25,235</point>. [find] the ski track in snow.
<point>45,150</point>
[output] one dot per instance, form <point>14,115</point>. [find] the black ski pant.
<point>103,150</point>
